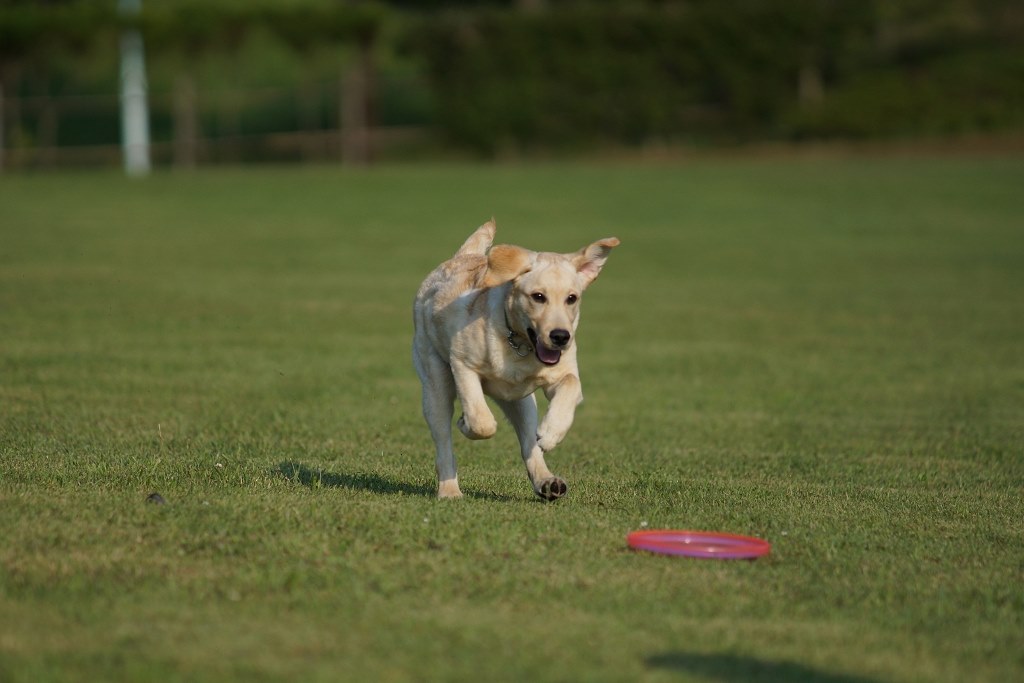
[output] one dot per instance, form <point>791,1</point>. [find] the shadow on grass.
<point>375,483</point>
<point>738,668</point>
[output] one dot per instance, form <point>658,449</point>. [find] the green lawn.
<point>828,354</point>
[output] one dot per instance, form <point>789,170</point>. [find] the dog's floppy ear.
<point>590,259</point>
<point>506,262</point>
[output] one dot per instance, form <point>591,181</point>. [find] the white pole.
<point>134,109</point>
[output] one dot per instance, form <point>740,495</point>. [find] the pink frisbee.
<point>703,544</point>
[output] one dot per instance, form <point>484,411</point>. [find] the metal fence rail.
<point>190,127</point>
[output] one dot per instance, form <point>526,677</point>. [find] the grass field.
<point>828,354</point>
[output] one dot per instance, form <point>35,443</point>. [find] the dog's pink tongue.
<point>548,356</point>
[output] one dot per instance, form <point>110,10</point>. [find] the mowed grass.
<point>825,353</point>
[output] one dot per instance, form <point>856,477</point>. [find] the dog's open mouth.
<point>544,354</point>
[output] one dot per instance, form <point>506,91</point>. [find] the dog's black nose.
<point>560,337</point>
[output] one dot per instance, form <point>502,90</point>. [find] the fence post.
<point>2,121</point>
<point>186,122</point>
<point>49,123</point>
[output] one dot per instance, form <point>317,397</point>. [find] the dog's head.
<point>544,299</point>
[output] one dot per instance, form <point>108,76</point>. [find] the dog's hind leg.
<point>438,409</point>
<point>523,416</point>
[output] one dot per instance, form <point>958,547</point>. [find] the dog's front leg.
<point>564,397</point>
<point>523,416</point>
<point>476,422</point>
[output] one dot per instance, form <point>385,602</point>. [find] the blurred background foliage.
<point>240,80</point>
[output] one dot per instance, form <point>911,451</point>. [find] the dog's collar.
<point>522,349</point>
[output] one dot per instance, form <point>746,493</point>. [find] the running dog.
<point>500,321</point>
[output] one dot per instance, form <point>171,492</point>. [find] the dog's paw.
<point>551,488</point>
<point>546,442</point>
<point>478,431</point>
<point>449,489</point>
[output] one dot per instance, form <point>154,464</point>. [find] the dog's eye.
<point>539,298</point>
<point>571,299</point>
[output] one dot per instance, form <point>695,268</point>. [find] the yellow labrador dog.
<point>500,321</point>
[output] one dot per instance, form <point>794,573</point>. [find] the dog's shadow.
<point>736,668</point>
<point>363,481</point>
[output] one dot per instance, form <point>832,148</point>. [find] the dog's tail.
<point>480,241</point>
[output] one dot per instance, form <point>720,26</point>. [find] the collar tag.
<point>522,349</point>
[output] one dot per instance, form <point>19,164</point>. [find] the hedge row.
<point>578,74</point>
<point>706,70</point>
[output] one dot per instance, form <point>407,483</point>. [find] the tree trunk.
<point>810,88</point>
<point>357,85</point>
